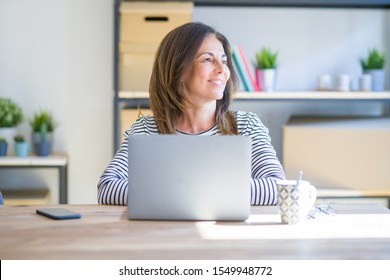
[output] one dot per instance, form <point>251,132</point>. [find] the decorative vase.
<point>22,149</point>
<point>3,149</point>
<point>268,78</point>
<point>9,133</point>
<point>378,78</point>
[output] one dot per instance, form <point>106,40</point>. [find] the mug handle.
<point>313,195</point>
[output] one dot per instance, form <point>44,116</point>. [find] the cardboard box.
<point>349,153</point>
<point>135,68</point>
<point>143,26</point>
<point>149,22</point>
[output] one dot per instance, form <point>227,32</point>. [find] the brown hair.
<point>174,56</point>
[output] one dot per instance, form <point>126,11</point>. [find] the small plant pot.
<point>42,149</point>
<point>268,77</point>
<point>36,139</point>
<point>378,79</point>
<point>9,133</point>
<point>3,149</point>
<point>22,149</point>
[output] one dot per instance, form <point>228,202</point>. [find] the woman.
<point>190,89</point>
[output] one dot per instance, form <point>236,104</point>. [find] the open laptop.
<point>175,177</point>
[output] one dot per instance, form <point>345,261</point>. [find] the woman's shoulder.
<point>243,116</point>
<point>247,121</point>
<point>143,125</point>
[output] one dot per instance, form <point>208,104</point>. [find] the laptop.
<point>177,177</point>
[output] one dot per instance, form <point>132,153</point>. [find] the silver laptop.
<point>175,177</point>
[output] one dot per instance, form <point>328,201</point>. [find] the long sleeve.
<point>113,184</point>
<point>266,168</point>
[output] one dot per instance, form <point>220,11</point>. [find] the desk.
<point>358,231</point>
<point>59,161</point>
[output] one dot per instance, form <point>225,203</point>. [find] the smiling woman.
<point>191,88</point>
<point>183,76</point>
<point>204,83</point>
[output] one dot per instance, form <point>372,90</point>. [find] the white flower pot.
<point>378,78</point>
<point>268,79</point>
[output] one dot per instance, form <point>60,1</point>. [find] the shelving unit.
<point>292,95</point>
<point>136,98</point>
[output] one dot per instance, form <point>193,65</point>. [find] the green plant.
<point>3,140</point>
<point>19,138</point>
<point>10,113</point>
<point>43,121</point>
<point>374,60</point>
<point>267,59</point>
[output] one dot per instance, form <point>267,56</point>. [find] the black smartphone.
<point>58,213</point>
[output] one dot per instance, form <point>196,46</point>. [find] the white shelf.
<point>133,94</point>
<point>32,160</point>
<point>287,95</point>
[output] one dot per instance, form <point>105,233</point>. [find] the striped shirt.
<point>266,168</point>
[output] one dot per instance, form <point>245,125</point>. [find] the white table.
<point>59,161</point>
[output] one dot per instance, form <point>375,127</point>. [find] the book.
<point>241,69</point>
<point>248,69</point>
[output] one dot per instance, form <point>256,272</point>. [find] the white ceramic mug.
<point>295,202</point>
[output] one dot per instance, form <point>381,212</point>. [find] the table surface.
<point>357,231</point>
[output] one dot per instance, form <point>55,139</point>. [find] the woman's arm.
<point>113,184</point>
<point>266,168</point>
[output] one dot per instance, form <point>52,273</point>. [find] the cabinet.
<point>140,98</point>
<point>55,161</point>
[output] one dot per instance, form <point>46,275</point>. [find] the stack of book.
<point>243,69</point>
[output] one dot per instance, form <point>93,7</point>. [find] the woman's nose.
<point>219,66</point>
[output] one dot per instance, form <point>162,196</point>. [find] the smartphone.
<point>58,213</point>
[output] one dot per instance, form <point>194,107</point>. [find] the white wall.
<point>59,55</point>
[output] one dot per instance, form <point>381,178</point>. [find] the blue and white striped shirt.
<point>266,168</point>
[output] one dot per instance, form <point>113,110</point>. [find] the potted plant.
<point>267,62</point>
<point>3,146</point>
<point>43,126</point>
<point>374,65</point>
<point>21,146</point>
<point>11,116</point>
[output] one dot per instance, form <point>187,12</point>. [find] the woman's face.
<point>206,78</point>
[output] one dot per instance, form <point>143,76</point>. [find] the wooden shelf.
<point>287,95</point>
